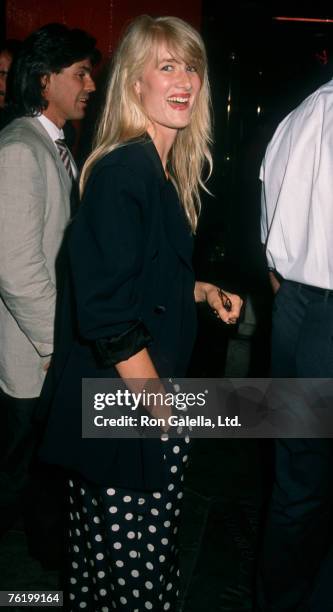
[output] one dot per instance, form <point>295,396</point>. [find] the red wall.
<point>104,19</point>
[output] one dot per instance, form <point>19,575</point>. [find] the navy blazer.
<point>130,285</point>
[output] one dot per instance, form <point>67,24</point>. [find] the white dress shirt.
<point>55,133</point>
<point>297,193</point>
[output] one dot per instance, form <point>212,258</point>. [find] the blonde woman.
<point>134,315</point>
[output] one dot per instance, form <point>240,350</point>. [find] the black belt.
<point>326,293</point>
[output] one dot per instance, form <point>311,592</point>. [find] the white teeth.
<point>176,99</point>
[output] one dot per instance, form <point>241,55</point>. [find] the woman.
<point>130,250</point>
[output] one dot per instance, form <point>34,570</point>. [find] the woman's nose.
<point>184,79</point>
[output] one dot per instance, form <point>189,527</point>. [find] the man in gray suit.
<point>52,84</point>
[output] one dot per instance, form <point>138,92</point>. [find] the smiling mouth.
<point>178,99</point>
<point>179,102</point>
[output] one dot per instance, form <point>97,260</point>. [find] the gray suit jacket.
<point>34,211</point>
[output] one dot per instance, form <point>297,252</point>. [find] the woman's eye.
<point>167,68</point>
<point>191,68</point>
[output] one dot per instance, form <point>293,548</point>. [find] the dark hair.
<point>11,46</point>
<point>49,49</point>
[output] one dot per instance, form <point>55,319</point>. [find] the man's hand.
<point>275,283</point>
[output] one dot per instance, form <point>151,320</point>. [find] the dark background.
<point>262,68</point>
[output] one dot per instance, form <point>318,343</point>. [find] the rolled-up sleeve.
<point>106,249</point>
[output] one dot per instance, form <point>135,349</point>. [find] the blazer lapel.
<point>42,133</point>
<point>177,229</point>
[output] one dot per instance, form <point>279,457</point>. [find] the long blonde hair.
<point>123,117</point>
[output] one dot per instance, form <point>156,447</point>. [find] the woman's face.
<point>168,89</point>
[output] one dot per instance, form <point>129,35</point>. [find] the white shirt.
<point>297,193</point>
<point>55,133</point>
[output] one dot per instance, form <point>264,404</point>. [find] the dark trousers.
<point>296,563</point>
<point>17,446</point>
<point>28,488</point>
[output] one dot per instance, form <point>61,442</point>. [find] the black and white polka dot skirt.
<point>123,544</point>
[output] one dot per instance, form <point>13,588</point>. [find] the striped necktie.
<point>64,154</point>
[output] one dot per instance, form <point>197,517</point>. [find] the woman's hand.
<point>226,306</point>
<point>139,373</point>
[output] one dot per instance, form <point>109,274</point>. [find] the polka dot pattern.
<point>123,545</point>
